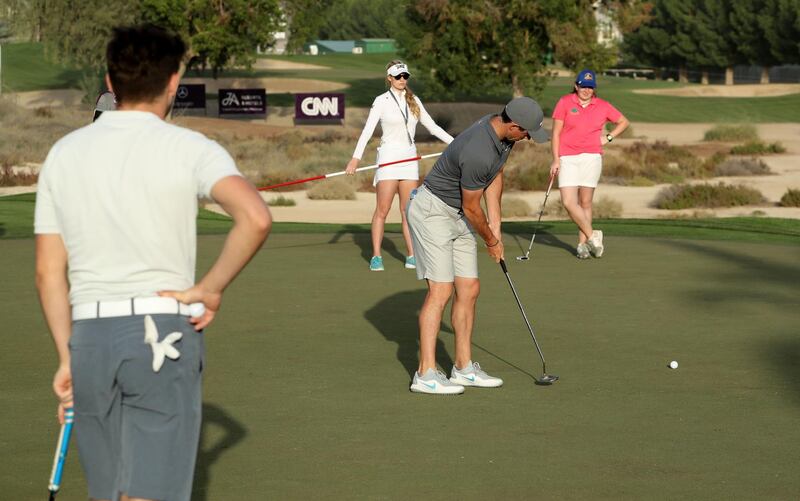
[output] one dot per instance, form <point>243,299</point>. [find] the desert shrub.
<point>790,199</point>
<point>10,176</point>
<point>281,201</point>
<point>275,176</point>
<point>527,178</point>
<point>332,189</point>
<point>731,133</point>
<point>606,208</point>
<point>686,196</point>
<point>640,181</point>
<point>43,112</point>
<point>602,208</point>
<point>27,135</point>
<point>742,167</point>
<point>757,148</point>
<point>662,162</point>
<point>528,168</point>
<point>515,207</point>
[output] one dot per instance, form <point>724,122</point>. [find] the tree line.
<point>717,34</point>
<point>457,47</point>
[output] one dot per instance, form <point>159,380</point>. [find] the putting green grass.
<point>307,371</point>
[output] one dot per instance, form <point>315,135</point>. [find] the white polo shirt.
<point>122,193</point>
<point>391,110</point>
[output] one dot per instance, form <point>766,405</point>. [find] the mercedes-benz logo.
<point>183,92</point>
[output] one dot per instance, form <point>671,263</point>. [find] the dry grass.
<point>10,176</point>
<point>742,167</point>
<point>603,208</point>
<point>731,133</point>
<point>685,196</point>
<point>332,189</point>
<point>790,199</point>
<point>27,135</point>
<point>515,207</point>
<point>281,201</point>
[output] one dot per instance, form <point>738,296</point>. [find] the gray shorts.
<point>137,430</point>
<point>444,244</point>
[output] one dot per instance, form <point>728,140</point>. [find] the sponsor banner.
<point>243,102</point>
<point>190,96</point>
<point>319,107</point>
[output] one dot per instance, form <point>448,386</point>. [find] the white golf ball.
<point>673,365</point>
<point>197,309</point>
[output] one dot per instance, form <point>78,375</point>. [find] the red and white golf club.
<point>340,173</point>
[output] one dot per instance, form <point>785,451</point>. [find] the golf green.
<point>308,366</point>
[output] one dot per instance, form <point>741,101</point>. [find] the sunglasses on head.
<point>402,76</point>
<point>586,87</point>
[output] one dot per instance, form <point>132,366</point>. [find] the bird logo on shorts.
<point>160,349</point>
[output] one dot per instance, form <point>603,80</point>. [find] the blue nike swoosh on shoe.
<point>432,386</point>
<point>471,379</point>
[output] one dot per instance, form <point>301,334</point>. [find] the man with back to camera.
<point>115,261</point>
<point>443,215</point>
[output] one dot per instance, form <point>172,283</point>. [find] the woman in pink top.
<point>578,140</point>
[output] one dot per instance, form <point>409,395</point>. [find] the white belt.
<point>128,307</point>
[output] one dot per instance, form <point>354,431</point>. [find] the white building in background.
<point>607,30</point>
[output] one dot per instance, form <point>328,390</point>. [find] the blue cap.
<point>586,78</point>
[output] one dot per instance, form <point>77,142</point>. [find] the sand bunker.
<point>277,64</point>
<point>755,90</point>
<point>273,85</point>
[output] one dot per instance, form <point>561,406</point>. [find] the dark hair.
<point>141,60</point>
<point>575,91</point>
<point>504,117</point>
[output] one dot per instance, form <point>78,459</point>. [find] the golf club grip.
<point>61,450</point>
<point>503,265</point>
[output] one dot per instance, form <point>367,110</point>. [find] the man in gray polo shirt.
<point>116,208</point>
<point>443,215</point>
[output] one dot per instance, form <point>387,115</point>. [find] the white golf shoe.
<point>434,383</point>
<point>596,243</point>
<point>582,251</point>
<point>473,375</point>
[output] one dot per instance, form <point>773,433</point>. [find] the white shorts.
<point>580,170</point>
<point>405,170</point>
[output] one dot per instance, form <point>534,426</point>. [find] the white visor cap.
<point>397,69</point>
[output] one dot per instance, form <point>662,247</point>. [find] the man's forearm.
<point>54,298</point>
<point>244,240</point>
<point>477,219</point>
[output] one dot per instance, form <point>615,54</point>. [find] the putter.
<point>105,102</point>
<point>546,379</point>
<point>527,254</point>
<point>61,453</point>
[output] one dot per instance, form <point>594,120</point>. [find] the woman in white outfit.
<point>398,110</point>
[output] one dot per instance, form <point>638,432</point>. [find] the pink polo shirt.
<point>582,126</point>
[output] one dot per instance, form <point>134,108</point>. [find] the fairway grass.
<point>308,365</point>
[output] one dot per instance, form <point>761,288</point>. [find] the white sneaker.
<point>582,251</point>
<point>596,243</point>
<point>435,383</point>
<point>473,375</point>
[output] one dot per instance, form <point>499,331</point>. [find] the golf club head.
<point>523,258</point>
<point>547,379</point>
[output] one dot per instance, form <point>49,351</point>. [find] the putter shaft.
<point>524,316</point>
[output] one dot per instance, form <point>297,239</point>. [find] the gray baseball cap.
<point>527,113</point>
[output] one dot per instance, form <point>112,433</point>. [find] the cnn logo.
<point>320,106</point>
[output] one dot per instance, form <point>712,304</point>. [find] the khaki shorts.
<point>444,243</point>
<point>580,170</point>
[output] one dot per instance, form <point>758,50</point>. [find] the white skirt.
<point>580,170</point>
<point>405,170</point>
